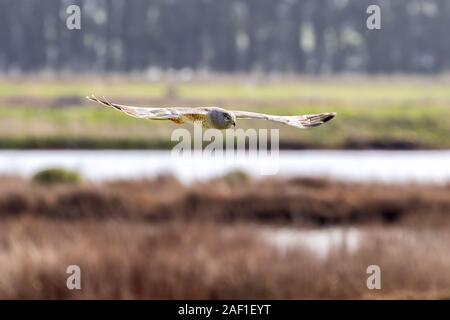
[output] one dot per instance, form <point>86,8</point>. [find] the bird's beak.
<point>234,124</point>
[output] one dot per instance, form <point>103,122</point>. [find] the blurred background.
<point>88,186</point>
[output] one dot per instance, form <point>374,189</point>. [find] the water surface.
<point>365,166</point>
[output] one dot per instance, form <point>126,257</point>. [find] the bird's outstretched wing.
<point>173,114</point>
<point>302,121</point>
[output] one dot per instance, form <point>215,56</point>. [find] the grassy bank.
<point>381,113</point>
<point>358,88</point>
<point>390,127</point>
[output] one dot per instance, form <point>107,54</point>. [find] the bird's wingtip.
<point>329,117</point>
<point>316,120</point>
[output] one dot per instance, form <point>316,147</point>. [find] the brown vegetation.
<point>126,260</point>
<point>233,198</point>
<point>159,239</point>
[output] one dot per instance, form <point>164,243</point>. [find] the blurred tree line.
<point>309,36</point>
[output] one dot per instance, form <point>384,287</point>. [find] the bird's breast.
<point>192,118</point>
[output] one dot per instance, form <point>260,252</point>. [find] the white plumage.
<point>213,117</point>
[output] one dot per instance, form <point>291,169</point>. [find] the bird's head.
<point>222,119</point>
<point>230,119</point>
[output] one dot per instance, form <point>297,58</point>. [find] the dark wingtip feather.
<point>318,119</point>
<point>329,117</point>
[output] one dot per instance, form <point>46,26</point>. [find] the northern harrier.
<point>213,117</point>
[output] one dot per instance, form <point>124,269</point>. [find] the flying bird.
<point>214,117</point>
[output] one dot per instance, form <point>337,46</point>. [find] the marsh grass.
<point>126,260</point>
<point>160,239</point>
<point>232,199</point>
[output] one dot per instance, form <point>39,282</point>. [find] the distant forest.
<point>296,36</point>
